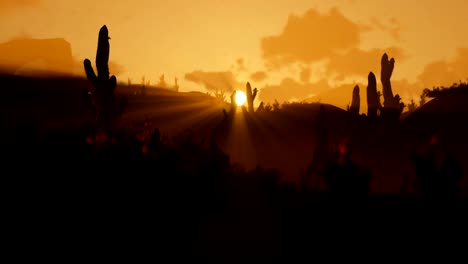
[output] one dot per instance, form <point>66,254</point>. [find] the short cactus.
<point>250,97</point>
<point>356,103</point>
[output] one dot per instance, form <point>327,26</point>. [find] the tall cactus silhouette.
<point>250,97</point>
<point>356,102</point>
<point>108,108</point>
<point>372,96</point>
<point>385,75</point>
<point>392,105</point>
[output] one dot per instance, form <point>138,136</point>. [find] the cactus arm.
<point>90,72</point>
<point>254,94</point>
<point>112,83</point>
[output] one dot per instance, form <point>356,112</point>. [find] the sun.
<point>241,97</point>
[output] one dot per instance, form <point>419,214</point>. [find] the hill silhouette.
<point>40,107</point>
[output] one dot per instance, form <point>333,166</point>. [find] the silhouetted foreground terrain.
<point>165,187</point>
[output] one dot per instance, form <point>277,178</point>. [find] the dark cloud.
<point>213,81</point>
<point>14,5</point>
<point>446,72</point>
<point>310,37</point>
<point>258,76</point>
<point>290,89</point>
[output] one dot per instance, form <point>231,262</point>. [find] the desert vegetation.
<point>209,158</point>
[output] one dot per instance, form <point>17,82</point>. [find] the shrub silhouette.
<point>437,181</point>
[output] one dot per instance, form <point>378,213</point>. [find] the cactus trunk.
<point>102,55</point>
<point>372,96</point>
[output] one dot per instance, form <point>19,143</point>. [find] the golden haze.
<point>289,50</point>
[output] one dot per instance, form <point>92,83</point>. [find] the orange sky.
<point>309,45</point>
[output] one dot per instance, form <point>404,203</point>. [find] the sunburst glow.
<point>241,97</point>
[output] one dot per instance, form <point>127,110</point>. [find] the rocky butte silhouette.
<point>55,55</point>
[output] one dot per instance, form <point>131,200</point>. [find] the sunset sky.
<point>288,49</point>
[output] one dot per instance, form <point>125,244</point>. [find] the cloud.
<point>446,72</point>
<point>14,5</point>
<point>359,62</point>
<point>305,74</point>
<point>407,90</point>
<point>22,35</point>
<point>290,89</point>
<point>213,81</point>
<point>116,68</point>
<point>393,27</point>
<point>240,65</point>
<point>258,76</point>
<point>327,37</point>
<point>311,37</point>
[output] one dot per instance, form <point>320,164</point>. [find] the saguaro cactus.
<point>250,97</point>
<point>356,102</point>
<point>103,86</point>
<point>372,96</point>
<point>385,75</point>
<point>391,102</point>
